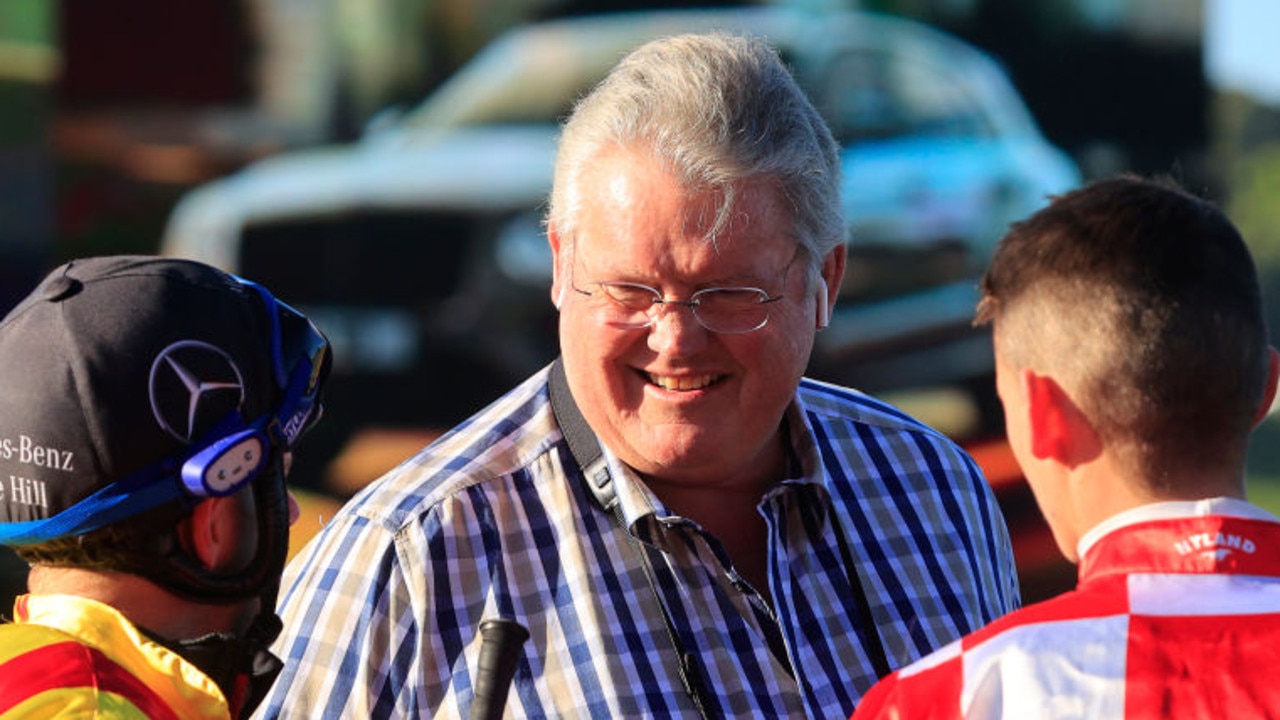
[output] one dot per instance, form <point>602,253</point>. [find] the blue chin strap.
<point>225,459</point>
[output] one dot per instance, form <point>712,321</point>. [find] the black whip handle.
<point>501,641</point>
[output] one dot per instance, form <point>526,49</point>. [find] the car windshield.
<point>872,93</point>
<point>870,85</point>
<point>523,78</point>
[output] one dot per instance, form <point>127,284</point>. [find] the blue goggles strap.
<point>137,493</point>
<point>272,307</point>
<point>296,410</point>
<point>297,406</point>
<point>146,489</point>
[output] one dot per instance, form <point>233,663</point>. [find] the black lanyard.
<point>595,473</point>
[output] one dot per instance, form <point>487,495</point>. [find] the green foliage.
<point>28,21</point>
<point>1264,465</point>
<point>1254,207</point>
<point>1254,204</point>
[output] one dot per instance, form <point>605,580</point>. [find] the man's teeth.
<point>682,383</point>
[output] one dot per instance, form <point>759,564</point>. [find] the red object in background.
<point>191,52</point>
<point>138,87</point>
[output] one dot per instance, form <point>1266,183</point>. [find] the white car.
<point>419,248</point>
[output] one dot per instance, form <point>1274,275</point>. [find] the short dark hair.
<point>1146,297</point>
<point>147,537</point>
<point>114,547</point>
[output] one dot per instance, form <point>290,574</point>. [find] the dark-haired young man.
<point>1132,361</point>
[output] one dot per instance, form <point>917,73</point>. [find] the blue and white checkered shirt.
<point>493,520</point>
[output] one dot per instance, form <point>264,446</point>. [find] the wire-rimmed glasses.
<point>726,310</point>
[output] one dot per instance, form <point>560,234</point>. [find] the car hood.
<point>493,169</point>
<point>920,190</point>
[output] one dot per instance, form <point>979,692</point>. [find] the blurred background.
<point>382,165</point>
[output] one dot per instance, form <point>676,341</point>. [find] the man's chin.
<point>679,450</point>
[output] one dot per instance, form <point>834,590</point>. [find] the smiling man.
<point>684,525</point>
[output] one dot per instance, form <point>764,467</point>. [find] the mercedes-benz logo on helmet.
<point>193,385</point>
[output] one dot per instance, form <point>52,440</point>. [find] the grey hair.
<point>719,109</point>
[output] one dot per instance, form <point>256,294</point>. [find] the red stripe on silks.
<point>72,665</point>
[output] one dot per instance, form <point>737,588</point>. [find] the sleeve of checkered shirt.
<point>928,690</point>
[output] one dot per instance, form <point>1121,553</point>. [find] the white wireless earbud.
<point>560,297</point>
<point>823,308</point>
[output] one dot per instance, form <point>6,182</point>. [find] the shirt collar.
<point>1228,506</point>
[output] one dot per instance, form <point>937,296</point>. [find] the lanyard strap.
<point>595,474</point>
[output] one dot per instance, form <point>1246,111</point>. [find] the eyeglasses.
<point>725,310</point>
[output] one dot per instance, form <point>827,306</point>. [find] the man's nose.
<point>676,329</point>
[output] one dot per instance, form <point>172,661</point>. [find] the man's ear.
<point>200,533</point>
<point>828,286</point>
<point>214,533</point>
<point>559,283</point>
<point>1269,393</point>
<point>1058,429</point>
